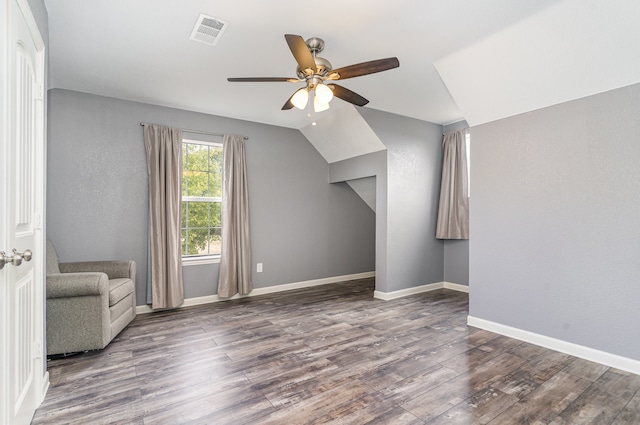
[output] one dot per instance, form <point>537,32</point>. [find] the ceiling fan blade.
<point>288,105</point>
<point>364,68</point>
<point>301,53</point>
<point>347,95</point>
<point>263,80</point>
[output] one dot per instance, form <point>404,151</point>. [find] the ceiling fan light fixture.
<point>314,71</point>
<point>300,98</point>
<point>318,105</point>
<point>323,93</point>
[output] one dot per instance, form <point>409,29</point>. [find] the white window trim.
<point>202,142</point>
<point>201,199</point>
<point>196,260</point>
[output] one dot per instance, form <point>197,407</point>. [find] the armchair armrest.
<point>113,269</point>
<point>77,285</point>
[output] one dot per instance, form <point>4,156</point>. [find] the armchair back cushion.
<point>52,259</point>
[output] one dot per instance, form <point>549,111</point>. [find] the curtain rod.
<point>466,130</point>
<point>208,133</point>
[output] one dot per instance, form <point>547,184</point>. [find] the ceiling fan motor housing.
<point>323,67</point>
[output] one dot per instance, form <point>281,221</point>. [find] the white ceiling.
<point>572,49</point>
<point>140,50</point>
<point>343,134</point>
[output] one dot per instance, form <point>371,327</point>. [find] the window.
<point>201,198</point>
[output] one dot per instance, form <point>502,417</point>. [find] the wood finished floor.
<point>331,355</point>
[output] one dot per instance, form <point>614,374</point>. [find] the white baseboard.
<point>143,309</point>
<point>386,296</point>
<point>310,283</point>
<point>419,289</point>
<point>456,287</point>
<point>607,359</point>
<point>44,388</point>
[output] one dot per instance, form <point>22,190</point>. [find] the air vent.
<point>208,30</point>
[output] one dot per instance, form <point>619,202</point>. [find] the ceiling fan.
<point>315,71</point>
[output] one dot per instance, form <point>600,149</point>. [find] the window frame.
<point>197,259</point>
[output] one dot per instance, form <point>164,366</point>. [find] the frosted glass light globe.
<point>319,106</point>
<point>300,98</point>
<point>323,93</point>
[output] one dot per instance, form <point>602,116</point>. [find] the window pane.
<point>196,219</point>
<point>197,214</point>
<point>184,216</point>
<point>201,228</point>
<point>215,167</point>
<point>201,241</point>
<point>202,170</point>
<point>195,170</point>
<point>195,183</point>
<point>215,241</point>
<point>195,241</point>
<point>194,157</point>
<point>215,214</point>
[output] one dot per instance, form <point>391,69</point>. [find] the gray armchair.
<point>88,303</point>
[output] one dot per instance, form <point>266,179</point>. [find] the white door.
<point>22,365</point>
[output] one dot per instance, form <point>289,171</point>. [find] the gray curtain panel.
<point>235,259</point>
<point>164,165</point>
<point>453,210</point>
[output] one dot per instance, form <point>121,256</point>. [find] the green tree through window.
<point>201,197</point>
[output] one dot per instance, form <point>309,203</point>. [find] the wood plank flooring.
<point>331,355</point>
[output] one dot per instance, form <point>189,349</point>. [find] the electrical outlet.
<point>259,268</point>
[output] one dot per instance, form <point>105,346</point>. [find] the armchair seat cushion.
<point>118,289</point>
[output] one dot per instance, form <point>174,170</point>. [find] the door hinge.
<point>38,91</point>
<point>37,349</point>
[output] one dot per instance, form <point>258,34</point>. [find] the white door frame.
<point>7,354</point>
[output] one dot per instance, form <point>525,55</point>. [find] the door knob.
<point>15,258</point>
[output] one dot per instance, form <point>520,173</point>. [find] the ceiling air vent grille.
<point>208,30</point>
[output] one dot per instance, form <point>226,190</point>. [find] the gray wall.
<point>41,16</point>
<point>302,227</point>
<point>456,252</point>
<point>364,166</point>
<point>406,200</point>
<point>456,261</point>
<point>414,256</point>
<point>555,225</point>
<point>365,188</point>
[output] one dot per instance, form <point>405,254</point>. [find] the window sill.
<point>199,260</point>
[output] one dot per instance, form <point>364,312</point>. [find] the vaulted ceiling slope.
<point>572,49</point>
<point>140,50</point>
<point>342,135</point>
